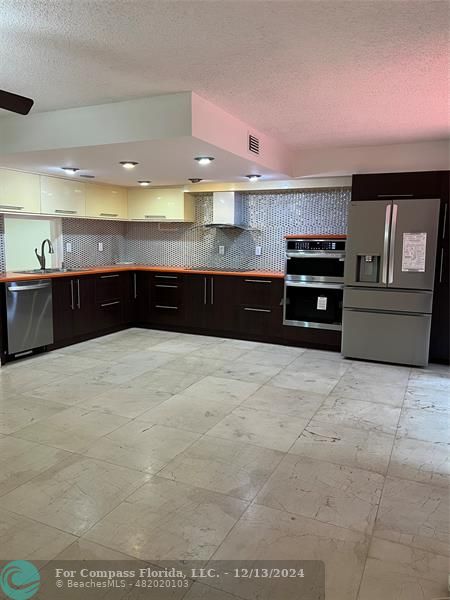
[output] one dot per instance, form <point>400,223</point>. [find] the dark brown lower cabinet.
<point>87,306</point>
<point>223,305</point>
<point>260,312</point>
<point>166,295</point>
<point>110,294</point>
<point>197,305</point>
<point>260,321</point>
<point>210,302</point>
<point>73,309</point>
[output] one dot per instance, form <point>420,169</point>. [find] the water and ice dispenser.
<point>368,268</point>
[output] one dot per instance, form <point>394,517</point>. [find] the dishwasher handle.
<point>28,288</point>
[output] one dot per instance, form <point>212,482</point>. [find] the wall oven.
<point>314,281</point>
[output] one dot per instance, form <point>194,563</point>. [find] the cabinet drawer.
<point>109,287</point>
<point>260,290</point>
<point>385,337</point>
<point>166,312</point>
<point>110,314</point>
<point>166,294</point>
<point>259,320</point>
<point>166,278</point>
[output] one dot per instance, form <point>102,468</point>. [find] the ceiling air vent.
<point>253,144</point>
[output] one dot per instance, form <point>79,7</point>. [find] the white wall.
<point>23,235</point>
<point>418,156</point>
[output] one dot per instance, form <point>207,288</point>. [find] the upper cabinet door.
<point>62,197</point>
<point>106,202</point>
<point>367,248</point>
<point>160,205</point>
<point>397,186</point>
<point>413,241</point>
<point>19,192</point>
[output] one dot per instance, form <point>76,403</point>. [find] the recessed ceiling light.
<point>204,160</point>
<point>88,176</point>
<point>195,179</point>
<point>253,177</point>
<point>128,164</point>
<point>144,183</point>
<point>70,170</point>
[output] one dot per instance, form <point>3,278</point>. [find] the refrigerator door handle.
<point>444,224</point>
<point>441,268</point>
<point>392,243</point>
<point>387,222</point>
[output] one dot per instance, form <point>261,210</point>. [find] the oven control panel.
<point>316,245</point>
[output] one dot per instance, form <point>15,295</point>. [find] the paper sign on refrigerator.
<point>414,252</point>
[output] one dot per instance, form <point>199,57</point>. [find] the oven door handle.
<point>299,254</point>
<point>323,286</point>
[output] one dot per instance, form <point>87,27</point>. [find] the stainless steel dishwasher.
<point>29,315</point>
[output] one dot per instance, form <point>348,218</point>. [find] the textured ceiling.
<point>311,73</point>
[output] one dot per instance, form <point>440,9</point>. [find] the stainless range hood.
<point>227,211</point>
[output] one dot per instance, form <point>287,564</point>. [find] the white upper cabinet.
<point>170,204</point>
<point>62,197</point>
<point>19,192</point>
<point>106,201</point>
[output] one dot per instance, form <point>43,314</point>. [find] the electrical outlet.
<point>69,247</point>
<point>100,246</point>
<point>221,249</point>
<point>257,250</point>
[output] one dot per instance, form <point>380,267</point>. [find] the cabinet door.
<point>141,297</point>
<point>62,197</point>
<point>63,309</point>
<point>197,303</point>
<point>19,192</point>
<point>385,186</point>
<point>223,301</point>
<point>440,324</point>
<point>106,201</point>
<point>160,205</point>
<point>85,322</point>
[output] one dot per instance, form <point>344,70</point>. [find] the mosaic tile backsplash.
<point>84,235</point>
<point>269,215</point>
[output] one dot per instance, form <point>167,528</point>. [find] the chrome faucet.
<point>41,256</point>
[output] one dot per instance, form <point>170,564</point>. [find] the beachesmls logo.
<point>19,580</point>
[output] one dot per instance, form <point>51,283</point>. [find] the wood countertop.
<point>316,236</point>
<point>11,276</point>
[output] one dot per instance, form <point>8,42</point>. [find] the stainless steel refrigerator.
<point>389,278</point>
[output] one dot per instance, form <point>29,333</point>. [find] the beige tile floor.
<point>157,445</point>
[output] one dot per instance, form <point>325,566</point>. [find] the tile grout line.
<point>372,536</point>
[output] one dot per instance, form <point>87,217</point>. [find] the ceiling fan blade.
<point>15,103</point>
